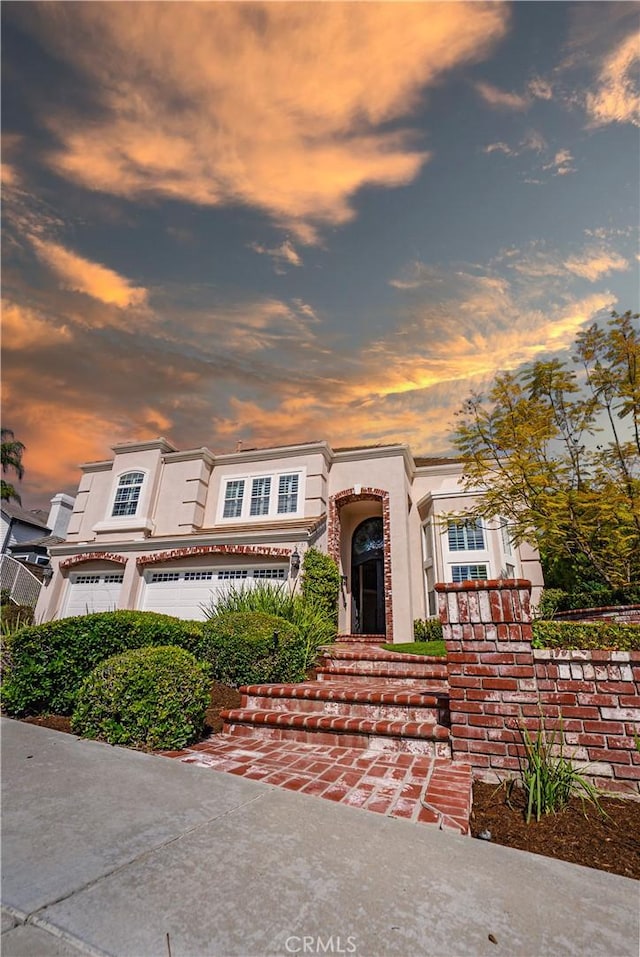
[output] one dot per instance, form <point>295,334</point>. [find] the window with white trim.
<point>198,576</point>
<point>465,536</point>
<point>233,496</point>
<point>115,578</point>
<point>86,579</point>
<point>229,574</point>
<point>249,497</point>
<point>128,494</point>
<point>466,573</point>
<point>288,493</point>
<point>506,540</point>
<point>260,496</point>
<point>164,577</point>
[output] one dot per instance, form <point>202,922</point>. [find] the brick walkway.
<point>415,787</point>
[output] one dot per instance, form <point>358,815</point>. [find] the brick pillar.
<point>492,684</point>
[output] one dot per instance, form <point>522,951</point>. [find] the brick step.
<point>363,639</point>
<point>394,703</point>
<point>416,737</point>
<point>397,670</point>
<point>339,652</point>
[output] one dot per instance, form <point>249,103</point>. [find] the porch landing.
<point>414,787</point>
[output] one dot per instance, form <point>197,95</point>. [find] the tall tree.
<point>556,452</point>
<point>11,460</point>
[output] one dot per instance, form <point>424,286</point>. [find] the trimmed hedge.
<point>253,647</point>
<point>584,635</point>
<point>321,583</point>
<point>427,630</point>
<point>145,698</point>
<point>50,661</point>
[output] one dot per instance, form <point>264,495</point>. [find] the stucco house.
<point>160,529</point>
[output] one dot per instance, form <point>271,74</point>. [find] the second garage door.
<point>184,592</point>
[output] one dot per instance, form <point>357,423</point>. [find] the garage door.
<point>93,591</point>
<point>184,592</point>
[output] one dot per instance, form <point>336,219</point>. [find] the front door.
<point>367,578</point>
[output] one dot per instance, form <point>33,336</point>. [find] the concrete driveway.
<point>113,852</point>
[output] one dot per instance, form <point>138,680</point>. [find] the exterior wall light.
<point>295,562</point>
<point>47,575</point>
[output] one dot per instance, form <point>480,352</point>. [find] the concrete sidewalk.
<point>113,852</point>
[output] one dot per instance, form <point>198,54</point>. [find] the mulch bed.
<point>607,844</point>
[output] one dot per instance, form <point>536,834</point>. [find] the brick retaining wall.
<point>497,682</point>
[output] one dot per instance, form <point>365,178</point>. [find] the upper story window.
<point>288,494</point>
<point>465,573</point>
<point>465,536</point>
<point>233,496</point>
<point>506,540</point>
<point>262,496</point>
<point>128,493</point>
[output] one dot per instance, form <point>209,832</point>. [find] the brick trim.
<point>366,494</point>
<point>94,556</point>
<point>258,551</point>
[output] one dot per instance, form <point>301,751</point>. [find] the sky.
<point>284,222</point>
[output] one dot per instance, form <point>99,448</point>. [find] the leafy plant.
<point>50,661</point>
<point>144,698</point>
<point>321,583</point>
<point>310,620</point>
<point>435,648</point>
<point>14,617</point>
<point>549,778</point>
<point>586,634</point>
<point>253,647</point>
<point>427,630</point>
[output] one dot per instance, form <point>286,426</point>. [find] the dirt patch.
<point>609,843</point>
<point>222,697</point>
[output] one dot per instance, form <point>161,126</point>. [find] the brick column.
<point>492,683</point>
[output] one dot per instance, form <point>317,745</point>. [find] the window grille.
<point>260,495</point>
<point>288,493</point>
<point>128,494</point>
<point>465,536</point>
<point>465,573</point>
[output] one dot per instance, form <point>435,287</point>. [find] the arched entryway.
<point>367,578</point>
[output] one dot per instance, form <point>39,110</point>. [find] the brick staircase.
<point>364,697</point>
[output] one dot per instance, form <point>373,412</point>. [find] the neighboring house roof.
<point>45,541</point>
<point>37,517</point>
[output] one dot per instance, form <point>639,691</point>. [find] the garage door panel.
<point>184,592</point>
<point>92,592</point>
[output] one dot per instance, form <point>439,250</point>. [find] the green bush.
<point>49,661</point>
<point>315,628</point>
<point>429,630</point>
<point>253,647</point>
<point>585,634</point>
<point>13,617</point>
<point>321,583</point>
<point>145,698</point>
<point>599,596</point>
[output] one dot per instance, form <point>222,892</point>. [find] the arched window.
<point>128,493</point>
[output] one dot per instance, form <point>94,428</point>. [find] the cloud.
<point>196,102</point>
<point>501,99</point>
<point>595,263</point>
<point>282,255</point>
<point>92,279</point>
<point>616,98</point>
<point>532,141</point>
<point>540,88</point>
<point>24,328</point>
<point>561,163</point>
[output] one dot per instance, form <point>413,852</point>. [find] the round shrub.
<point>253,647</point>
<point>145,698</point>
<point>49,661</point>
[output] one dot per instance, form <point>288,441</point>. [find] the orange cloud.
<point>197,102</point>
<point>87,277</point>
<point>502,99</point>
<point>23,328</point>
<point>616,98</point>
<point>595,263</point>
